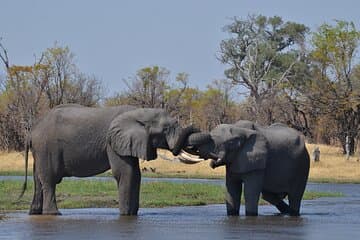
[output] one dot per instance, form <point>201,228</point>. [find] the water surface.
<point>324,218</point>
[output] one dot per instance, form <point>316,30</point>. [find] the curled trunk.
<point>199,138</point>
<point>183,139</point>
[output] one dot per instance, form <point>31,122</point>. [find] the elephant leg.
<point>48,175</point>
<point>296,193</point>
<point>37,202</point>
<point>295,197</point>
<point>49,202</point>
<point>276,200</point>
<point>126,172</point>
<point>253,183</point>
<point>233,194</point>
<point>294,203</point>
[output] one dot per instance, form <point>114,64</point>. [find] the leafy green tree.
<point>261,53</point>
<point>335,86</point>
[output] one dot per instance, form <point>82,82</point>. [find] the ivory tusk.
<point>187,158</point>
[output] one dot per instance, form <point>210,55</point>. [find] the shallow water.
<point>325,218</point>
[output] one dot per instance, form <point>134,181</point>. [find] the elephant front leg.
<point>253,183</point>
<point>127,174</point>
<point>233,194</point>
<point>129,188</point>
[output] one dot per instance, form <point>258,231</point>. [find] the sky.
<point>112,39</point>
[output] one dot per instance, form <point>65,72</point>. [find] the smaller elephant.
<point>271,161</point>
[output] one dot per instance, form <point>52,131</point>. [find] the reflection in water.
<point>326,218</point>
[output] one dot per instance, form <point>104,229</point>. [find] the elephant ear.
<point>252,153</point>
<point>130,137</point>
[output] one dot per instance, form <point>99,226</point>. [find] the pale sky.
<point>112,39</point>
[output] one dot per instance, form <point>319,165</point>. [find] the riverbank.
<point>332,168</point>
<point>99,194</point>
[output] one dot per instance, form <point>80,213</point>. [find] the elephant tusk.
<point>188,158</point>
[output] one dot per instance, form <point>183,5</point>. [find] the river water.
<point>324,218</point>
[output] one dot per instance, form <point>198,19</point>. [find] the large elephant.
<point>269,160</point>
<point>73,140</point>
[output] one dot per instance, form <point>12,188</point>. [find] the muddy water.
<point>325,218</point>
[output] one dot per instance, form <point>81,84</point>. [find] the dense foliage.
<point>276,71</point>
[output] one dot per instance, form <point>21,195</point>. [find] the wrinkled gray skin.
<point>269,160</point>
<point>72,140</point>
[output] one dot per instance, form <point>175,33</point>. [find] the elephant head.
<point>242,150</point>
<point>140,132</point>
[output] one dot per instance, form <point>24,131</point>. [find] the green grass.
<point>189,175</point>
<point>14,173</point>
<point>93,194</point>
<point>147,174</point>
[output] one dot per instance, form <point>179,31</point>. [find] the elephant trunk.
<point>198,138</point>
<point>197,154</point>
<point>182,139</point>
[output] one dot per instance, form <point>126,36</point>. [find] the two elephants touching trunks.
<point>72,140</point>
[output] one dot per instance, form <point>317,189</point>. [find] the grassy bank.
<point>92,194</point>
<point>333,167</point>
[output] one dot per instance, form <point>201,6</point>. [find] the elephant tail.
<point>27,147</point>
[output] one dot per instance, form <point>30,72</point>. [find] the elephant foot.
<point>283,208</point>
<point>294,213</point>
<point>35,211</point>
<point>232,213</point>
<point>52,212</point>
<point>250,214</point>
<point>128,213</point>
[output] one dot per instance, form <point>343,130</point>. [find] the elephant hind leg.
<point>37,202</point>
<point>50,206</point>
<point>295,197</point>
<point>48,180</point>
<point>276,200</point>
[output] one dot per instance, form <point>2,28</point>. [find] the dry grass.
<point>333,167</point>
<point>14,161</point>
<point>171,168</point>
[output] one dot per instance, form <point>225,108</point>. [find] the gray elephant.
<point>72,140</point>
<point>269,160</point>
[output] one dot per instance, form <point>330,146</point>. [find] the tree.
<point>27,92</point>
<point>152,87</point>
<point>261,53</point>
<point>335,86</point>
<point>147,88</point>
